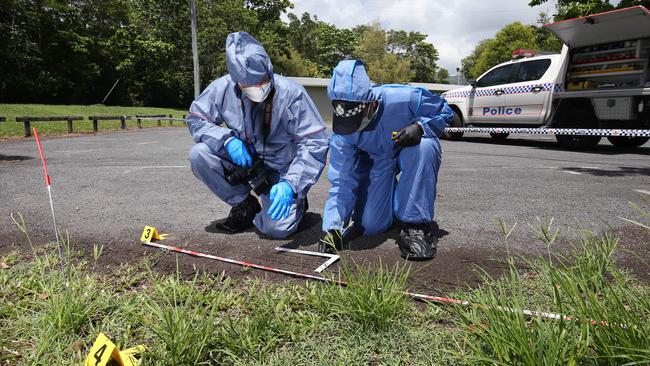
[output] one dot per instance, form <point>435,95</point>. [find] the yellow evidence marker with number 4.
<point>150,233</point>
<point>105,353</point>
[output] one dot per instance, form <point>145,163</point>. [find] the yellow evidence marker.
<point>104,353</point>
<point>150,233</point>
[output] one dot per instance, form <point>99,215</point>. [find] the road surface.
<point>107,187</point>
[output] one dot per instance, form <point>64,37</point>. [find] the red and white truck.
<point>600,80</point>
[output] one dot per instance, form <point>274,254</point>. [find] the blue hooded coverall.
<point>364,165</point>
<point>295,149</point>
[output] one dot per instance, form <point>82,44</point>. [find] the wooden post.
<point>122,122</point>
<point>69,124</point>
<point>28,131</point>
<point>159,123</point>
<point>184,120</point>
<point>171,123</point>
<point>95,125</point>
<point>139,121</point>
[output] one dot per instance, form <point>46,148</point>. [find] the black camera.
<point>255,177</point>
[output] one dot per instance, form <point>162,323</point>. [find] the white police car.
<point>600,80</point>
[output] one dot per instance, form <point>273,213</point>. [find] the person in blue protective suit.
<point>381,132</point>
<point>252,123</point>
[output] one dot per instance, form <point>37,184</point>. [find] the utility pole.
<point>195,50</point>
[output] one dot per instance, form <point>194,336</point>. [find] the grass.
<point>209,319</point>
<point>11,111</point>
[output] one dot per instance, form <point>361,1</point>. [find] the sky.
<point>454,27</point>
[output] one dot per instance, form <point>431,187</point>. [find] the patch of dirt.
<point>453,267</point>
<point>634,250</point>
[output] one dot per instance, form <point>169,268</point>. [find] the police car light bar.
<point>523,53</point>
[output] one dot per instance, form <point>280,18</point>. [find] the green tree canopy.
<point>383,67</point>
<point>567,9</point>
<point>73,52</point>
<point>321,43</point>
<point>422,55</point>
<point>496,50</point>
<point>493,51</point>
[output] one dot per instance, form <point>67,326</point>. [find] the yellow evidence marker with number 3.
<point>150,233</point>
<point>105,353</point>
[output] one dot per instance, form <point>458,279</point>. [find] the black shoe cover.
<point>418,242</point>
<point>240,217</point>
<point>331,242</point>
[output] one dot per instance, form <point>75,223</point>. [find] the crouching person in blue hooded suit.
<point>381,132</point>
<point>253,115</point>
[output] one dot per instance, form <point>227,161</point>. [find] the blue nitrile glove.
<point>238,153</point>
<point>281,197</point>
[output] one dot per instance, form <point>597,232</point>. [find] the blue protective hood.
<point>350,82</point>
<point>246,59</point>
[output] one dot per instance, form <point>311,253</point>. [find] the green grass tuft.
<point>374,298</point>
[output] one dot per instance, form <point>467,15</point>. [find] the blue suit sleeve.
<point>204,121</point>
<point>310,136</point>
<point>433,114</point>
<point>344,183</point>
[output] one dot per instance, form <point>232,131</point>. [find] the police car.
<point>600,80</point>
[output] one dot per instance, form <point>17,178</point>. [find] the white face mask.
<point>257,93</point>
<point>365,121</point>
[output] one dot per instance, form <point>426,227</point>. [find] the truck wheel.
<point>500,137</point>
<point>456,122</point>
<point>627,141</point>
<point>577,142</point>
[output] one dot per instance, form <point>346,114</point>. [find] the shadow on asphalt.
<point>15,157</point>
<point>552,145</point>
<point>622,172</point>
<point>212,228</point>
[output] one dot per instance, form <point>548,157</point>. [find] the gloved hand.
<point>281,199</point>
<point>239,153</point>
<point>331,241</point>
<point>409,135</point>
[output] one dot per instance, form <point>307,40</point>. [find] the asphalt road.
<point>106,187</point>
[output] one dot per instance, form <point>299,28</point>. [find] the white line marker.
<point>332,257</point>
<point>148,142</point>
<point>570,172</point>
<point>156,167</point>
<point>642,191</point>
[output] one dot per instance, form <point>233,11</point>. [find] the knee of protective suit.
<point>375,225</point>
<point>198,154</point>
<point>276,233</point>
<point>428,148</point>
<point>276,229</point>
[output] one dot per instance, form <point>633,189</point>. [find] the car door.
<point>528,96</point>
<point>487,99</point>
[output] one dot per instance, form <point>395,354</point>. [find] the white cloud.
<point>453,27</point>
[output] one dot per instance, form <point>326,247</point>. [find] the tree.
<point>567,9</point>
<point>544,38</point>
<point>382,66</point>
<point>443,76</point>
<point>493,51</point>
<point>56,50</point>
<point>422,55</point>
<point>320,43</point>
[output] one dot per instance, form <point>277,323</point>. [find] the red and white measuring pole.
<point>48,183</point>
<point>429,298</point>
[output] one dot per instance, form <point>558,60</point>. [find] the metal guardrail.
<point>27,120</point>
